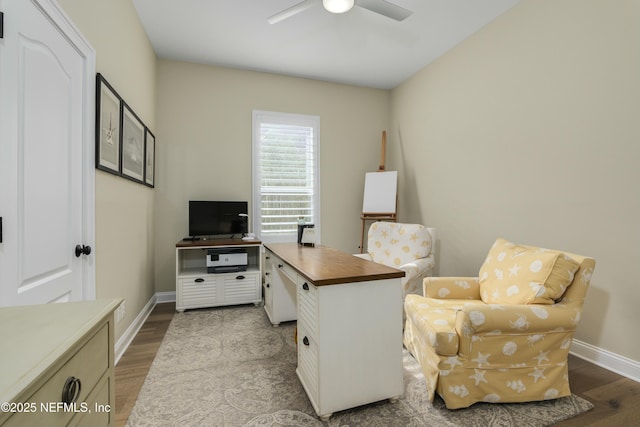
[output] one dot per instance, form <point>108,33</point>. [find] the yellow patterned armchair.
<point>407,247</point>
<point>503,336</point>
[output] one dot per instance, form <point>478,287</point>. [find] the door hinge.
<point>1,25</point>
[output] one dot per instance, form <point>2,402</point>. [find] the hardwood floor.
<point>134,364</point>
<point>616,398</point>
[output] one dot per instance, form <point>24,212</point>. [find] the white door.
<point>46,156</point>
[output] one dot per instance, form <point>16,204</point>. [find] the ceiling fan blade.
<point>385,8</point>
<point>291,11</point>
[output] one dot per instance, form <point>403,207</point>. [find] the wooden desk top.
<point>326,266</point>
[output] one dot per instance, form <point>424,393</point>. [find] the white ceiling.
<point>358,47</point>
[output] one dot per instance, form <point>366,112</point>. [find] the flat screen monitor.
<point>217,218</point>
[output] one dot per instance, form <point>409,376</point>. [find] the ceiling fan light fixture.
<point>337,6</point>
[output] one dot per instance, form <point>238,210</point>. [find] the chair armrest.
<point>520,319</point>
<point>364,256</point>
<point>417,267</point>
<point>451,287</point>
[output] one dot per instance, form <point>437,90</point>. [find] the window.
<point>285,174</point>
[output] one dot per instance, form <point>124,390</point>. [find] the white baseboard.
<point>123,343</point>
<point>128,336</point>
<point>606,359</point>
<point>613,362</point>
<point>165,297</point>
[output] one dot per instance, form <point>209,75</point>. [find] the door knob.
<point>82,250</point>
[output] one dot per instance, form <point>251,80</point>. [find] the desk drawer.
<point>308,362</point>
<point>241,287</point>
<point>285,268</point>
<point>308,308</point>
<point>194,293</point>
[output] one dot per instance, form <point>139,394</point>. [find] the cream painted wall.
<point>124,209</point>
<point>529,130</point>
<point>204,118</point>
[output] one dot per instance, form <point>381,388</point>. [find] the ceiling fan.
<point>381,7</point>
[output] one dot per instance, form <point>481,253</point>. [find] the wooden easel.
<point>374,217</point>
<point>383,151</point>
<point>377,216</point>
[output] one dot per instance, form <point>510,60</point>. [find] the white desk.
<point>349,326</point>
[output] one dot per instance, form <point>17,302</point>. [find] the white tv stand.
<point>195,288</point>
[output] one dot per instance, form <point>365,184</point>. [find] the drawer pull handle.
<point>268,285</point>
<point>305,286</point>
<point>71,390</point>
<point>280,265</point>
<point>267,273</point>
<point>199,280</point>
<point>267,257</point>
<point>240,277</point>
<point>305,341</point>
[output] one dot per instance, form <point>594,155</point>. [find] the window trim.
<point>260,116</point>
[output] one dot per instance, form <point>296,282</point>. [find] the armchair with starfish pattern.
<point>407,247</point>
<point>503,336</point>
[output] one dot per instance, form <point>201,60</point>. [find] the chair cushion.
<point>396,244</point>
<point>435,320</point>
<point>514,274</point>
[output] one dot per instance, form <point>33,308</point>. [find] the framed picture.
<point>108,115</point>
<point>132,145</point>
<point>150,157</point>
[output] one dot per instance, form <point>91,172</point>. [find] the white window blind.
<point>285,168</point>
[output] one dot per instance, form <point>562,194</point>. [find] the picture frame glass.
<point>108,130</point>
<point>150,151</point>
<point>132,146</point>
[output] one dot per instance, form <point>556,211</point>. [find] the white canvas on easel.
<point>380,192</point>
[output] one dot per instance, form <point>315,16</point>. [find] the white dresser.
<point>349,314</point>
<point>57,364</point>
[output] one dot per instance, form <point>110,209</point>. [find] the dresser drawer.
<point>101,410</point>
<point>88,365</point>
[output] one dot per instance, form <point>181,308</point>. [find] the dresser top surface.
<point>322,265</point>
<point>36,336</point>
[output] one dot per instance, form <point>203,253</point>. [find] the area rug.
<point>229,367</point>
